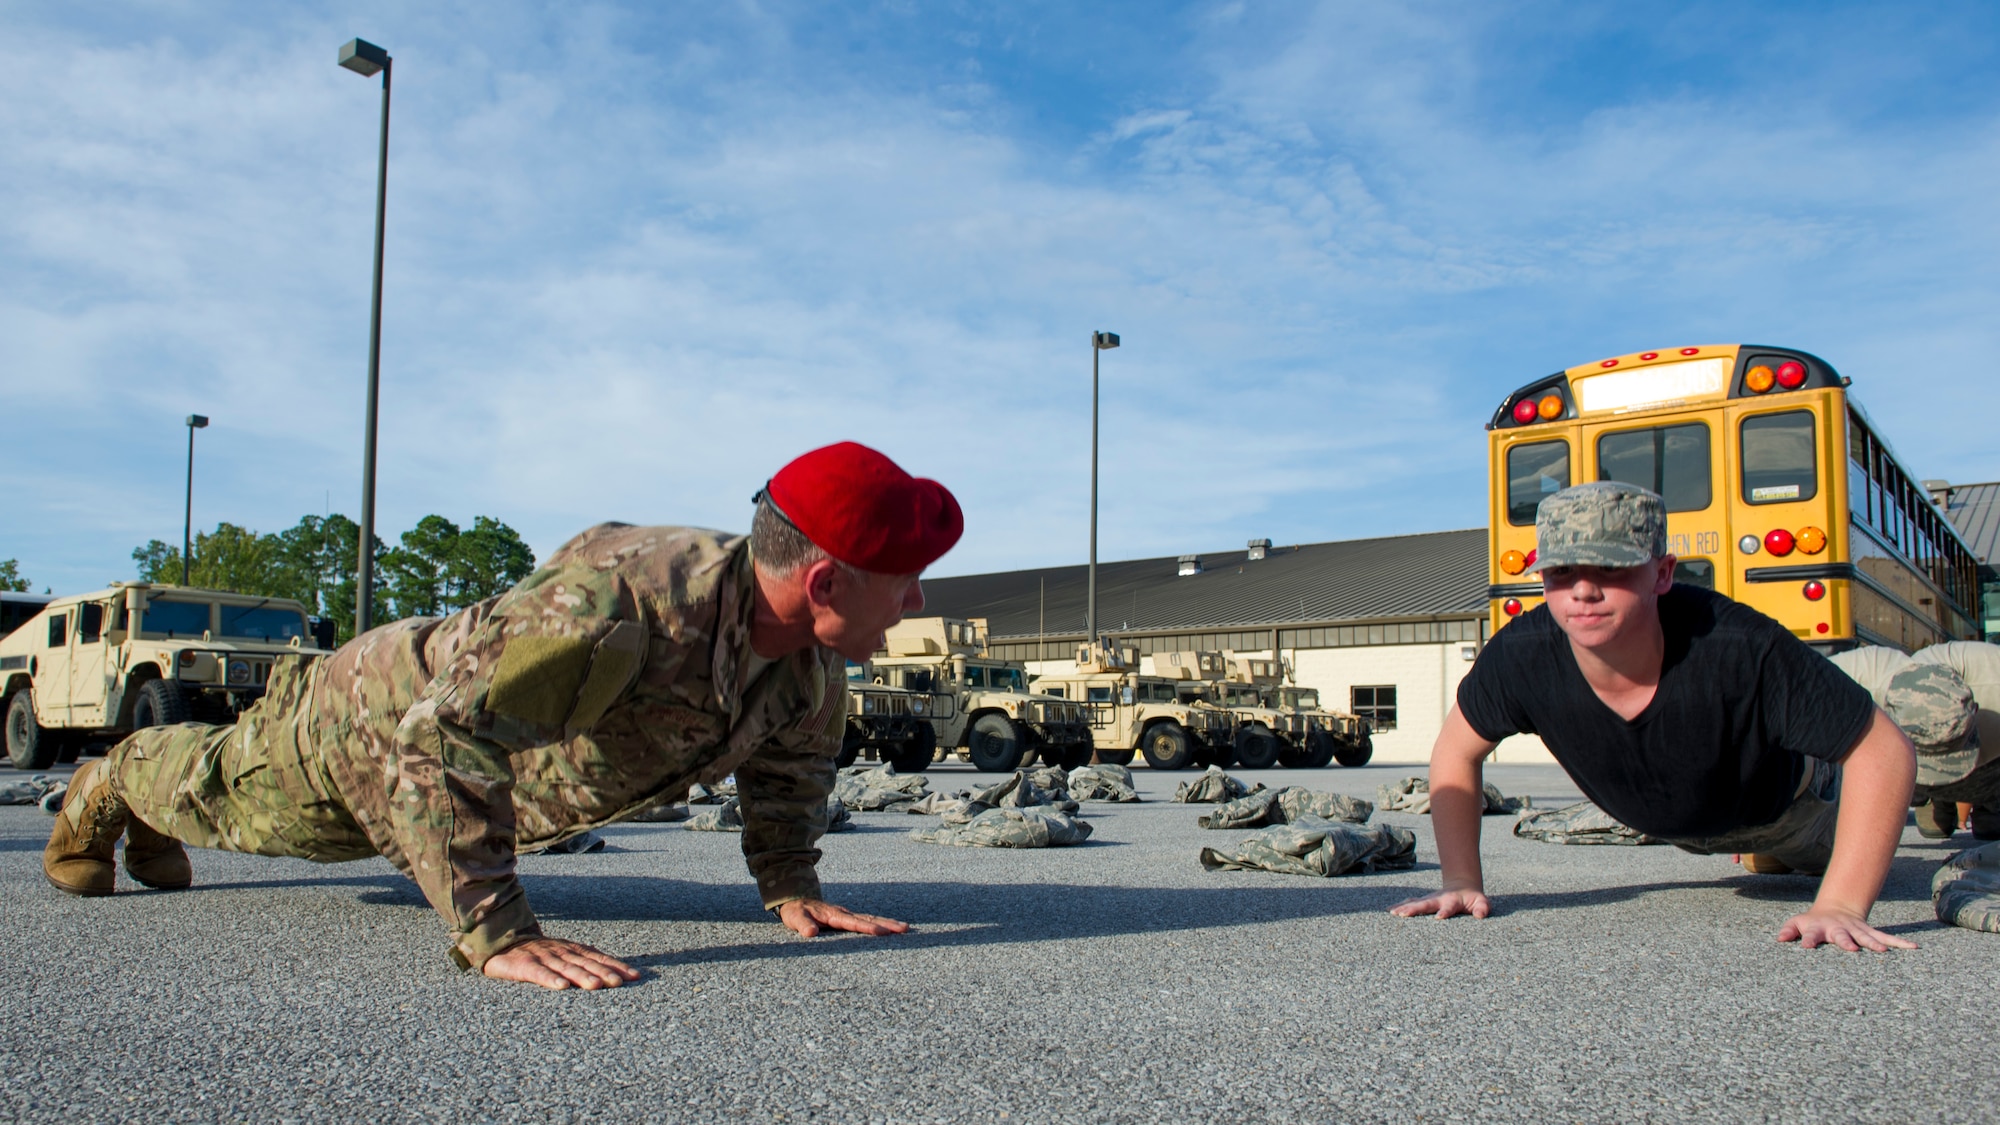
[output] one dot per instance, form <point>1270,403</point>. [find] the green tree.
<point>11,580</point>
<point>488,560</point>
<point>419,571</point>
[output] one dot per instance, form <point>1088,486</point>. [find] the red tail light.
<point>1791,375</point>
<point>1524,411</point>
<point>1779,542</point>
<point>1531,559</point>
<point>1511,607</point>
<point>1815,591</point>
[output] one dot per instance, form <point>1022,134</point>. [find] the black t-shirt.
<point>1718,748</point>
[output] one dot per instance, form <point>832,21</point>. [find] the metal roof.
<point>1441,573</point>
<point>1974,509</point>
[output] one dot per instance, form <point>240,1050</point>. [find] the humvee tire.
<point>161,703</point>
<point>1114,757</point>
<point>994,744</point>
<point>850,749</point>
<point>1256,747</point>
<point>1167,746</point>
<point>916,755</point>
<point>1078,756</point>
<point>1295,757</point>
<point>1355,754</point>
<point>29,746</point>
<point>1320,748</point>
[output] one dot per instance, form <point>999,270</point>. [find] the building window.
<point>1375,704</point>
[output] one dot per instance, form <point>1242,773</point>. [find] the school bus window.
<point>1671,460</point>
<point>1534,471</point>
<point>1778,461</point>
<point>1695,572</point>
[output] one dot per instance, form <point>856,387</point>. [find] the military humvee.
<point>892,724</point>
<point>1132,712</point>
<point>999,725</point>
<point>139,655</point>
<point>1261,730</point>
<point>1330,735</point>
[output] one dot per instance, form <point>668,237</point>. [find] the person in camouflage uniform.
<point>636,662</point>
<point>1681,714</point>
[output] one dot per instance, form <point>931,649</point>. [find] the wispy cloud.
<point>637,260</point>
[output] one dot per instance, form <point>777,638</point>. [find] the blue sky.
<point>639,256</point>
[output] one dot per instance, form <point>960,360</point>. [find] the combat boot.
<point>1758,864</point>
<point>155,858</point>
<point>1985,823</point>
<point>82,852</point>
<point>1937,820</point>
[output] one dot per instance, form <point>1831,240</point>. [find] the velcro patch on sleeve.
<point>613,667</point>
<point>537,678</point>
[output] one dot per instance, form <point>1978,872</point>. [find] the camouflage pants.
<point>258,786</point>
<point>1980,788</point>
<point>1802,837</point>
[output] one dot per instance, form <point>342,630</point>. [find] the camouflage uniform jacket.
<point>603,685</point>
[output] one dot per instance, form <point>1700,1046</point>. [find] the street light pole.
<point>366,59</point>
<point>194,422</point>
<point>1099,343</point>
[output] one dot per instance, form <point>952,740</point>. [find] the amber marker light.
<point>1759,379</point>
<point>1815,590</point>
<point>1811,540</point>
<point>1511,607</point>
<point>1551,407</point>
<point>1513,562</point>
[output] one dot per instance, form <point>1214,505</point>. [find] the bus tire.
<point>1356,753</point>
<point>1167,746</point>
<point>916,755</point>
<point>995,744</point>
<point>1114,757</point>
<point>1256,747</point>
<point>30,746</point>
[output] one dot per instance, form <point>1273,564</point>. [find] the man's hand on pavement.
<point>807,917</point>
<point>555,963</point>
<point>1844,928</point>
<point>1444,904</point>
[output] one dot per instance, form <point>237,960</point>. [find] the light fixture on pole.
<point>367,60</point>
<point>1099,342</point>
<point>194,422</point>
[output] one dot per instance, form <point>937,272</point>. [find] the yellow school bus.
<point>1780,493</point>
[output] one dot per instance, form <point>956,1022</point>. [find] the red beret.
<point>863,509</point>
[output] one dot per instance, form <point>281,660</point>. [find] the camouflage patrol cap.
<point>1603,523</point>
<point>1933,705</point>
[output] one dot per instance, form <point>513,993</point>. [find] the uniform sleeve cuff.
<point>498,932</point>
<point>788,884</point>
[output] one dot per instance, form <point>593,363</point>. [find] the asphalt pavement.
<point>1116,981</point>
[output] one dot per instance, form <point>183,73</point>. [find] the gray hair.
<point>780,548</point>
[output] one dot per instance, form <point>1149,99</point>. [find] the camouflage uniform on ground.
<point>607,683</point>
<point>1318,847</point>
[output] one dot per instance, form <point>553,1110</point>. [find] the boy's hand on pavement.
<point>1844,928</point>
<point>1444,904</point>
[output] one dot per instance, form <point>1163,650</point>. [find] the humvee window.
<point>1159,693</point>
<point>1100,694</point>
<point>918,679</point>
<point>59,630</point>
<point>975,676</point>
<point>260,623</point>
<point>175,619</point>
<point>1007,679</point>
<point>1056,690</point>
<point>90,623</point>
<point>1305,700</point>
